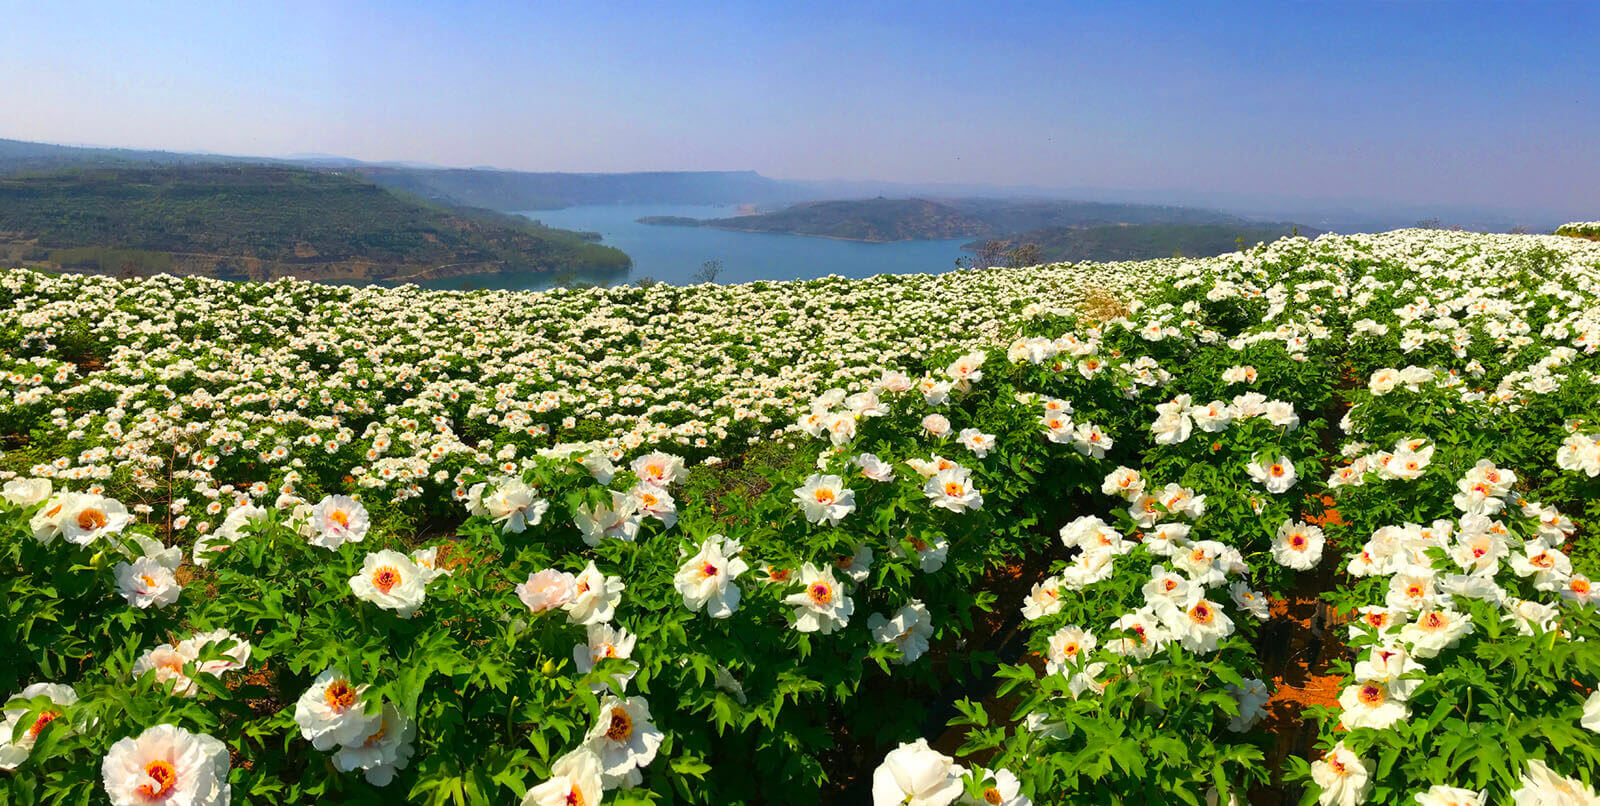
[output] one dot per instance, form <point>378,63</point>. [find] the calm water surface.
<point>675,254</point>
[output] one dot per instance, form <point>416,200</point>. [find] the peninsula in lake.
<point>1060,230</point>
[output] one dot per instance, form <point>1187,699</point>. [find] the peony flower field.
<point>1311,523</point>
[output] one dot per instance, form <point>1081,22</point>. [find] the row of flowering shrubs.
<point>1403,424</point>
<point>1580,229</point>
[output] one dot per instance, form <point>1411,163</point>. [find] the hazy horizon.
<point>1401,103</point>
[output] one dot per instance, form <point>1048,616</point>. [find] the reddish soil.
<point>1298,647</point>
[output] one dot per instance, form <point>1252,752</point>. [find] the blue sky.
<point>1477,103</point>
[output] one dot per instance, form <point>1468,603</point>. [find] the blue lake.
<point>675,254</point>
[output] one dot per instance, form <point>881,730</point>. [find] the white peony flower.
<point>1277,475</point>
<point>574,779</point>
<point>908,630</point>
<point>659,469</point>
<point>1000,788</point>
<point>624,739</point>
<point>824,498</point>
<point>337,520</point>
<point>1371,704</point>
<point>332,712</point>
<point>24,493</point>
<point>605,642</point>
<point>915,774</point>
<point>594,597</point>
<point>1542,786</point>
<point>821,606</point>
<point>706,579</point>
<point>14,748</point>
<point>87,518</point>
<point>514,506</point>
<point>547,589</point>
<point>1297,546</point>
<point>147,582</point>
<point>1441,795</point>
<point>382,752</point>
<point>1198,623</point>
<point>167,764</point>
<point>1344,778</point>
<point>391,581</point>
<point>953,489</point>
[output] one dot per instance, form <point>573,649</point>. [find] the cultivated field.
<point>1313,523</point>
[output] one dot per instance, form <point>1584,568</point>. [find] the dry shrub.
<point>1101,304</point>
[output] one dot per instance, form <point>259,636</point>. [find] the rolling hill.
<point>262,221</point>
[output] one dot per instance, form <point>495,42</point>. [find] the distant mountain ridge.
<point>520,190</point>
<point>467,187</point>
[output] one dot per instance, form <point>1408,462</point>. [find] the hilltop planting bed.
<point>1312,523</point>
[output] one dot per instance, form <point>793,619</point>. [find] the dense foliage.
<point>737,544</point>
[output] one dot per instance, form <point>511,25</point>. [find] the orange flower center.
<point>1297,542</point>
<point>1580,586</point>
<point>340,517</point>
<point>385,578</point>
<point>1277,470</point>
<point>821,593</point>
<point>339,695</point>
<point>163,778</point>
<point>1542,560</point>
<point>1432,621</point>
<point>621,726</point>
<point>1070,649</point>
<point>992,796</point>
<point>575,798</point>
<point>953,488</point>
<point>707,570</point>
<point>383,730</point>
<point>824,495</point>
<point>44,719</point>
<point>1370,695</point>
<point>1202,614</point>
<point>91,519</point>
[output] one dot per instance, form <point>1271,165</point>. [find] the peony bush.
<point>974,538</point>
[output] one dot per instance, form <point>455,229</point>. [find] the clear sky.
<point>1481,103</point>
